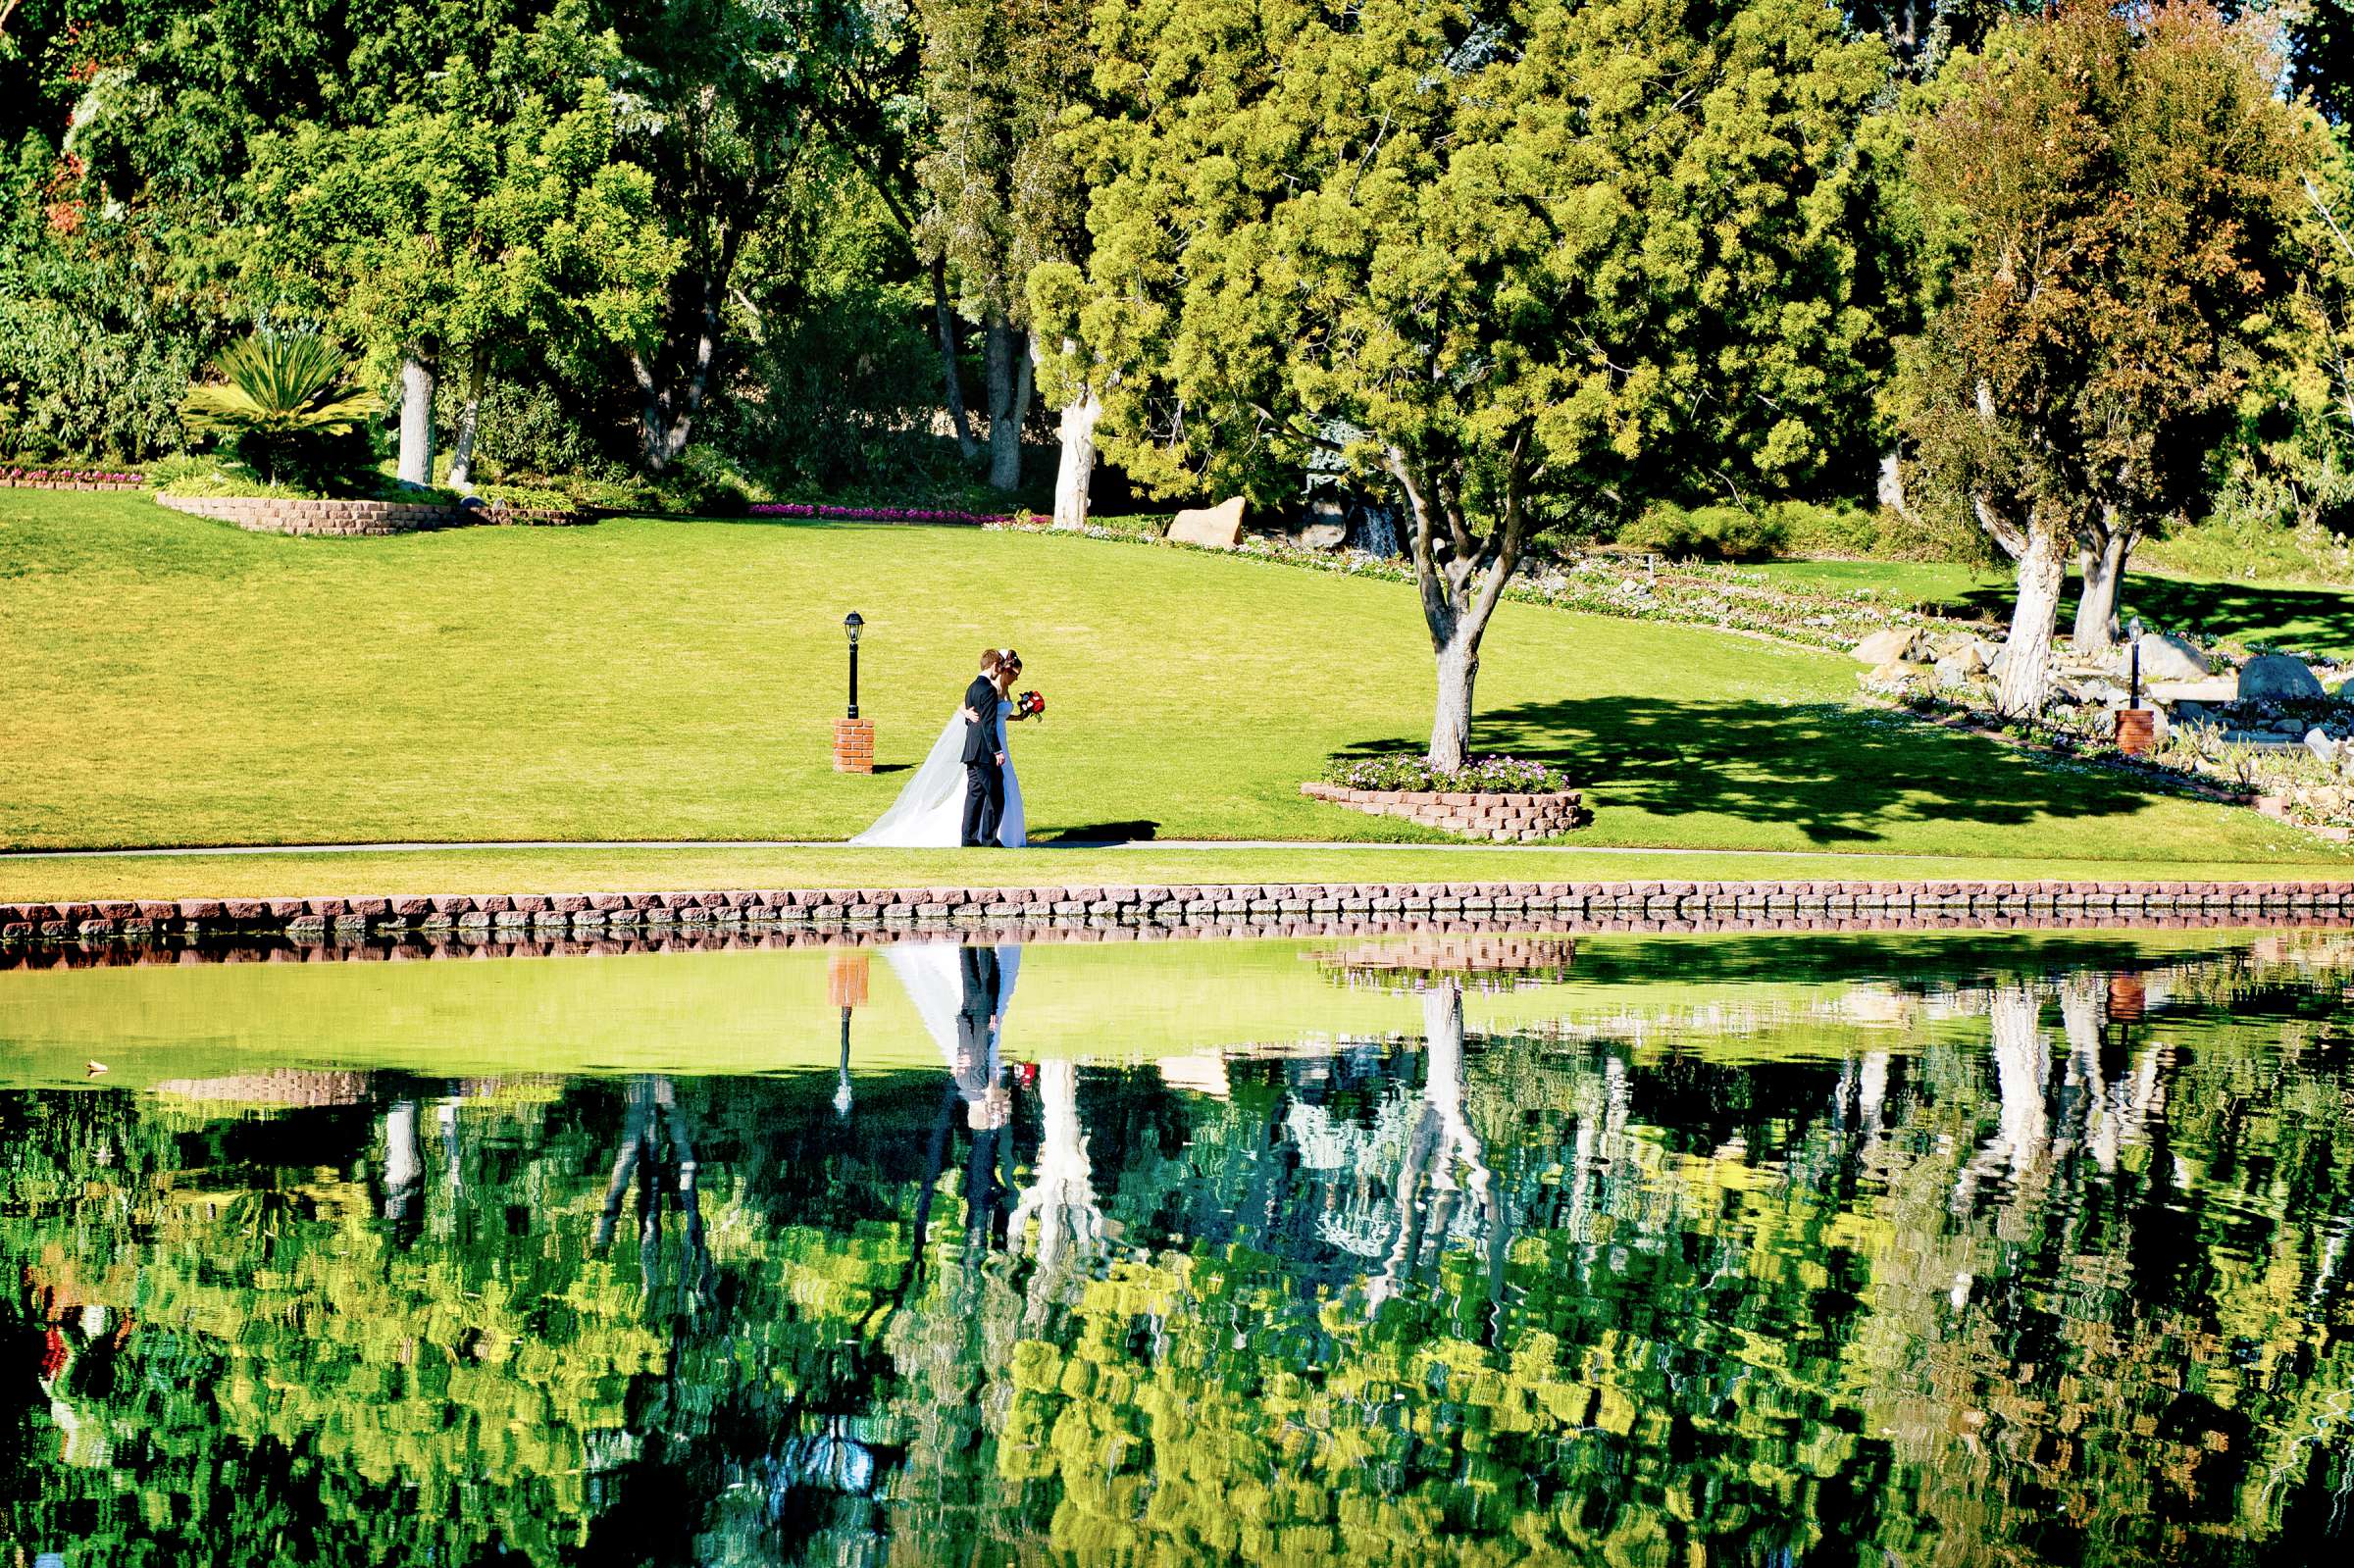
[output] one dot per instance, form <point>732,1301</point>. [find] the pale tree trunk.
<point>952,383</point>
<point>1892,486</point>
<point>461,446</point>
<point>2042,573</point>
<point>2103,566</point>
<point>415,417</point>
<point>1075,466</point>
<point>1462,578</point>
<point>1009,400</point>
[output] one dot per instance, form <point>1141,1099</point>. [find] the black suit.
<point>984,777</point>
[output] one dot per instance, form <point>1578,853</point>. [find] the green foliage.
<point>1708,533</point>
<point>287,402</point>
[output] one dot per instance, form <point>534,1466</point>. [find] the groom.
<point>984,753</point>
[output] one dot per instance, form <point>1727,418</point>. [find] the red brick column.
<point>853,746</point>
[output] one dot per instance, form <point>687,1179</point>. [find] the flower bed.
<point>1482,775</point>
<point>876,514</point>
<point>68,479</point>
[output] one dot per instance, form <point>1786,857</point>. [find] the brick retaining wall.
<point>1274,908</point>
<point>1502,817</point>
<point>371,519</point>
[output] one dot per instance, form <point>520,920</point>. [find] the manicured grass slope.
<point>175,680</point>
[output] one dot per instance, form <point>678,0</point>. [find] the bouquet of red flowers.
<point>1028,705</point>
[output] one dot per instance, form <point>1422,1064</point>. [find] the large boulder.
<point>1322,535</point>
<point>1888,645</point>
<point>2278,677</point>
<point>1216,527</point>
<point>2213,689</point>
<point>2164,657</point>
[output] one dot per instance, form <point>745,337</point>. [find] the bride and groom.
<point>966,793</point>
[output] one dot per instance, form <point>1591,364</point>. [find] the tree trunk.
<point>1458,646</point>
<point>669,399</point>
<point>1008,395</point>
<point>415,417</point>
<point>1892,486</point>
<point>2104,570</point>
<point>1461,577</point>
<point>952,382</point>
<point>1075,467</point>
<point>461,446</point>
<point>2027,655</point>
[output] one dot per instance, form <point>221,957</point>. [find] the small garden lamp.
<point>851,624</point>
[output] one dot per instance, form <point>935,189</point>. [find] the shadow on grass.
<point>1093,833</point>
<point>1839,775</point>
<point>2317,619</point>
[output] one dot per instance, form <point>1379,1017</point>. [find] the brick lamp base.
<point>853,746</point>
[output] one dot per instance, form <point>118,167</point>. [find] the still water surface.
<point>1760,1251</point>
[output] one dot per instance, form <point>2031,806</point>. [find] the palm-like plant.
<point>279,387</point>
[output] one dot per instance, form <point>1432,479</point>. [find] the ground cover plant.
<point>176,680</point>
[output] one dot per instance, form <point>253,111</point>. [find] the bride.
<point>930,811</point>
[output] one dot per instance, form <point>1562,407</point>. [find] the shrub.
<point>1485,776</point>
<point>74,386</point>
<point>1706,532</point>
<point>289,404</point>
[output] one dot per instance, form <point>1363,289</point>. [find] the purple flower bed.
<point>69,475</point>
<point>1482,775</point>
<point>874,514</point>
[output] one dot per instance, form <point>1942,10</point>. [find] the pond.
<point>1780,1250</point>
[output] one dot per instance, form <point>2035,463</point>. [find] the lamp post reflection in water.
<point>846,988</point>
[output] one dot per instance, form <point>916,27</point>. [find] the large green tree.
<point>1517,258</point>
<point>2113,201</point>
<point>470,228</point>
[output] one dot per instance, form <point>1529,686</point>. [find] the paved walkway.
<point>835,844</point>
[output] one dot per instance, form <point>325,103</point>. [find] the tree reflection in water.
<point>1990,1266</point>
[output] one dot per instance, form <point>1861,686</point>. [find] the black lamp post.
<point>852,624</point>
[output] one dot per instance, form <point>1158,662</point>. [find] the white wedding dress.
<point>930,811</point>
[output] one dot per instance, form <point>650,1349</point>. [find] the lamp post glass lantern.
<point>851,624</point>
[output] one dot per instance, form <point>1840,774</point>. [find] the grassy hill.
<point>175,681</point>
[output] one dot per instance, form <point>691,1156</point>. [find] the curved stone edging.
<point>1500,818</point>
<point>361,519</point>
<point>1677,905</point>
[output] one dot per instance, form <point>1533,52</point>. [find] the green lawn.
<point>2315,620</point>
<point>175,681</point>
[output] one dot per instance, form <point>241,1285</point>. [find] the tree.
<point>2112,197</point>
<point>1002,200</point>
<point>726,99</point>
<point>1516,258</point>
<point>465,226</point>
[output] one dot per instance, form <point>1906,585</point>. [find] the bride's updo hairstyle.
<point>1007,659</point>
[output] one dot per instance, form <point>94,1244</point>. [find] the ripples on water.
<point>1647,1252</point>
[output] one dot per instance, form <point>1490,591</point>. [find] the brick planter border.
<point>1246,909</point>
<point>361,519</point>
<point>1500,818</point>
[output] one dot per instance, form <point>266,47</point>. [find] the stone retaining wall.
<point>1281,908</point>
<point>371,519</point>
<point>349,944</point>
<point>1502,817</point>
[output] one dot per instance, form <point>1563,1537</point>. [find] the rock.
<point>2215,689</point>
<point>1957,670</point>
<point>1887,646</point>
<point>1322,535</point>
<point>2278,678</point>
<point>2164,657</point>
<point>1217,527</point>
<point>2332,753</point>
<point>1895,675</point>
